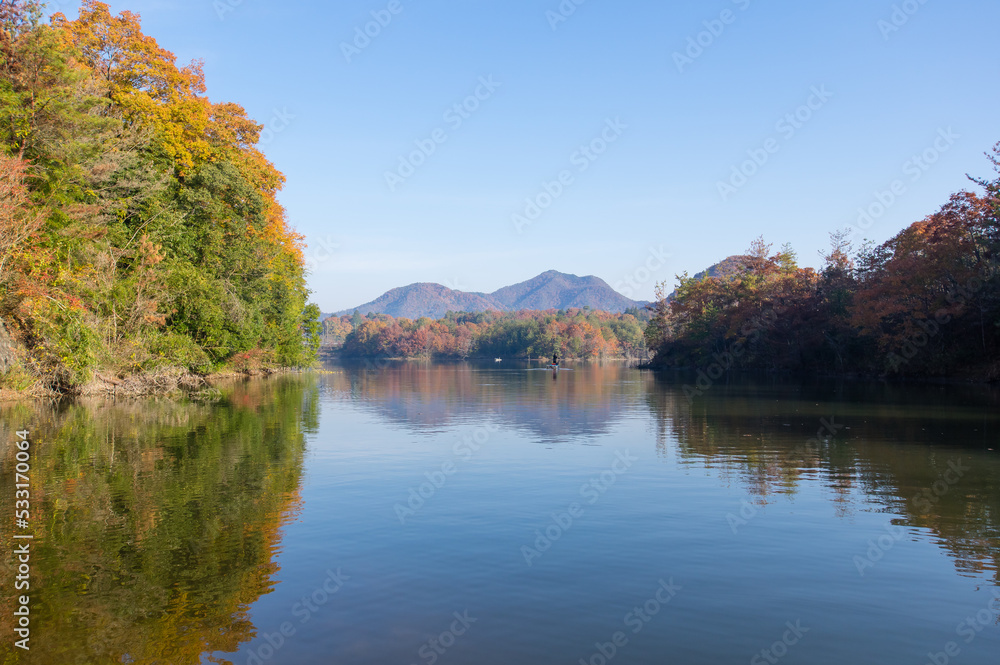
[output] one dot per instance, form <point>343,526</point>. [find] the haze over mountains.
<point>550,290</point>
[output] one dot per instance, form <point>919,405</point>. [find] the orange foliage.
<point>916,275</point>
<point>18,221</point>
<point>572,334</point>
<point>142,79</point>
<point>145,85</point>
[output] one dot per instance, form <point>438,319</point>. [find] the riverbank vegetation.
<point>924,303</point>
<point>140,228</point>
<point>573,333</point>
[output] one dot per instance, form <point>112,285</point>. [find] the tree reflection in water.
<point>156,522</point>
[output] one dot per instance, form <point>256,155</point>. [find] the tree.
<point>19,219</point>
<point>658,330</point>
<point>932,274</point>
<point>312,330</point>
<point>837,286</point>
<point>150,218</point>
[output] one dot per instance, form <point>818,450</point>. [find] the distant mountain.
<point>556,290</point>
<point>550,290</point>
<point>430,300</point>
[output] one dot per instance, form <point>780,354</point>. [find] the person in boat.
<point>555,360</point>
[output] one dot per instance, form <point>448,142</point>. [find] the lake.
<point>497,513</point>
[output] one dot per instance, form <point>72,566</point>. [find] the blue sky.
<point>642,137</point>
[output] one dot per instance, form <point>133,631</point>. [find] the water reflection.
<point>583,401</point>
<point>925,453</point>
<point>876,447</point>
<point>156,522</point>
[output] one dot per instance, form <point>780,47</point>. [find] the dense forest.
<point>572,333</point>
<point>139,228</point>
<point>924,303</point>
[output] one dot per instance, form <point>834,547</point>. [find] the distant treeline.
<point>924,303</point>
<point>573,333</point>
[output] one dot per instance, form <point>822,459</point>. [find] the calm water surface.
<point>474,514</point>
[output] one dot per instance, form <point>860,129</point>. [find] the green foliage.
<point>17,378</point>
<point>312,328</point>
<point>69,346</point>
<point>162,349</point>
<point>152,236</point>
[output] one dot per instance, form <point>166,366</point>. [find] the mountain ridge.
<point>550,290</point>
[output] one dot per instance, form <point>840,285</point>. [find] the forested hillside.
<point>925,303</point>
<point>573,333</point>
<point>139,227</point>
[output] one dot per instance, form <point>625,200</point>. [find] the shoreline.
<point>330,354</point>
<point>155,384</point>
<point>969,380</point>
<point>177,382</point>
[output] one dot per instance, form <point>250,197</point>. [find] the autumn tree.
<point>153,225</point>
<point>924,298</point>
<point>19,220</point>
<point>926,302</point>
